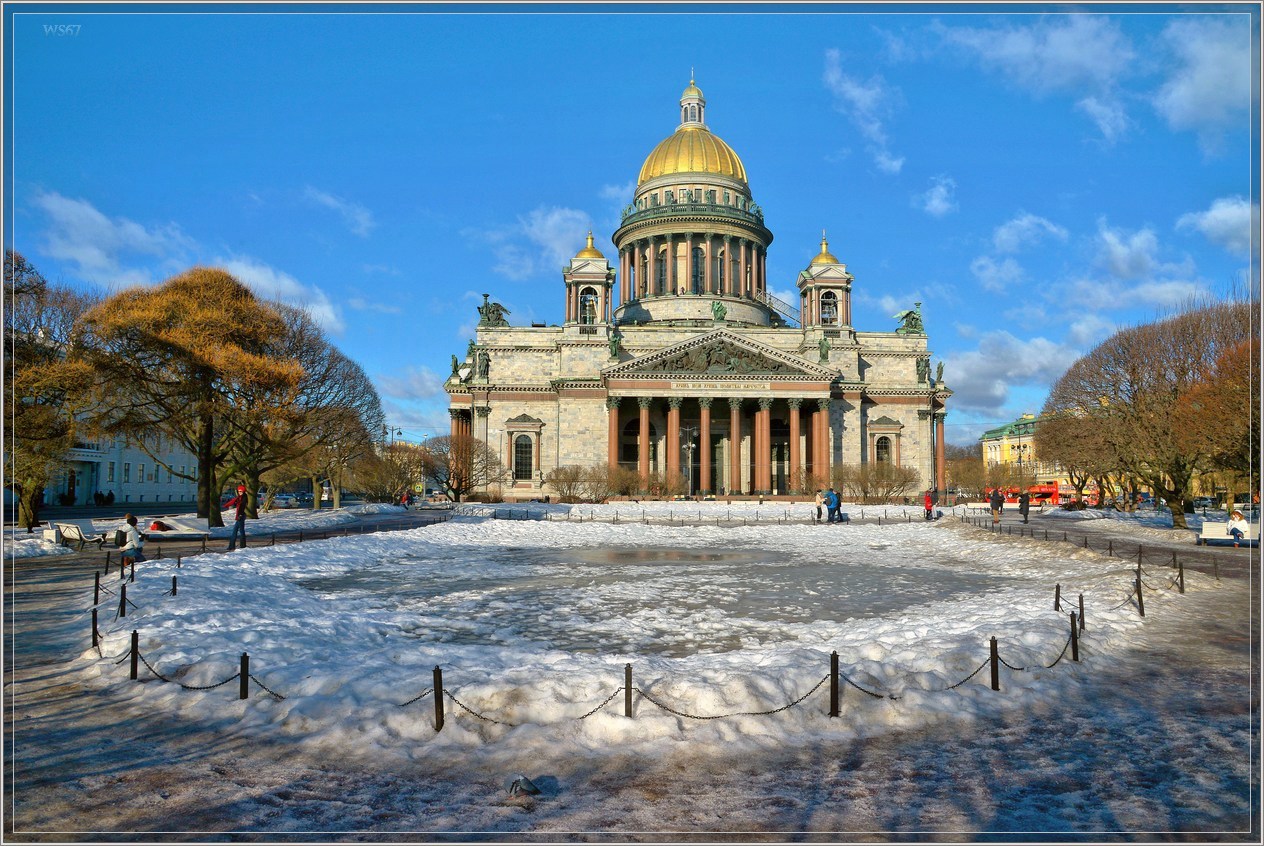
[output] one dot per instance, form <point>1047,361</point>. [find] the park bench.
<point>75,531</point>
<point>1213,531</point>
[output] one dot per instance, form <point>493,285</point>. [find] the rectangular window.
<point>523,458</point>
<point>127,472</point>
<point>109,472</point>
<point>170,475</point>
<point>140,474</point>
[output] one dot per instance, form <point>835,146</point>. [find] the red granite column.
<point>735,445</point>
<point>826,440</point>
<point>707,276</point>
<point>643,443</point>
<point>704,444</point>
<point>764,462</point>
<point>673,437</point>
<point>941,470</point>
<point>795,473</point>
<point>612,431</point>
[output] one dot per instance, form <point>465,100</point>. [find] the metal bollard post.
<point>123,600</point>
<point>133,578</point>
<point>274,536</point>
<point>1140,598</point>
<point>1180,577</point>
<point>173,585</point>
<point>1057,597</point>
<point>996,667</point>
<point>243,688</point>
<point>204,543</point>
<point>1081,612</point>
<point>627,690</point>
<point>1174,558</point>
<point>135,654</point>
<point>833,712</point>
<point>438,695</point>
<point>1075,639</point>
<point>1086,541</point>
<point>178,558</point>
<point>96,590</point>
<point>158,551</point>
<point>1110,549</point>
<point>108,553</point>
<point>94,627</point>
<point>300,535</point>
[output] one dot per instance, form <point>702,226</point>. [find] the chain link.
<point>602,705</point>
<point>271,693</point>
<point>419,696</point>
<point>1061,655</point>
<point>861,689</point>
<point>469,710</point>
<point>786,707</point>
<point>1011,666</point>
<point>963,681</point>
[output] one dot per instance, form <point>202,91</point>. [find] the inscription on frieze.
<point>721,388</point>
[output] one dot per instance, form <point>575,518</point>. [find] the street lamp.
<point>689,433</point>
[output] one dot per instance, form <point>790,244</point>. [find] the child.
<point>1238,527</point>
<point>133,548</point>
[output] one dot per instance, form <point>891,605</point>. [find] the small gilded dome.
<point>691,92</point>
<point>590,251</point>
<point>825,256</point>
<point>692,149</point>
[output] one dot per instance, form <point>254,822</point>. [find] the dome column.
<point>726,283</point>
<point>743,269</point>
<point>707,262</point>
<point>670,257</point>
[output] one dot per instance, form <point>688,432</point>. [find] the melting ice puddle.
<point>646,600</point>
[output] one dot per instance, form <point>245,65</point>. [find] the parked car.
<point>285,500</point>
<point>1204,502</point>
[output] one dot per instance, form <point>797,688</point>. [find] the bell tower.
<point>589,280</point>
<point>825,292</point>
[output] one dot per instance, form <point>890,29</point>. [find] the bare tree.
<point>461,465</point>
<point>876,482</point>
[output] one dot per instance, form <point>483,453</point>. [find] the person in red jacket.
<point>239,520</point>
<point>929,502</point>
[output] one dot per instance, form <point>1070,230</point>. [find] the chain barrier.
<point>161,677</point>
<point>963,681</point>
<point>609,699</point>
<point>1061,655</point>
<point>1011,666</point>
<point>786,707</point>
<point>417,698</point>
<point>844,677</point>
<point>472,712</point>
<point>278,697</point>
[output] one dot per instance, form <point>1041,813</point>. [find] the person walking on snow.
<point>820,501</point>
<point>239,520</point>
<point>831,502</point>
<point>1024,504</point>
<point>997,502</point>
<point>929,502</point>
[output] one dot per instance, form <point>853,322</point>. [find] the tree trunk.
<point>316,492</point>
<point>29,497</point>
<point>1176,504</point>
<point>252,494</point>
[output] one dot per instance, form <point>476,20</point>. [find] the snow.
<point>532,622</point>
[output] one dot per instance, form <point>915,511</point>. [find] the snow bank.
<point>532,624</point>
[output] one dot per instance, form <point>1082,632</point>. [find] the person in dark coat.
<point>239,520</point>
<point>1024,504</point>
<point>997,502</point>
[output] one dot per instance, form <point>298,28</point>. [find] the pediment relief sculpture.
<point>720,357</point>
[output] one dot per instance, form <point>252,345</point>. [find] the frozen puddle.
<point>657,601</point>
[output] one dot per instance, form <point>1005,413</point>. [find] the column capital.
<point>923,414</point>
<point>482,410</point>
<point>795,402</point>
<point>735,403</point>
<point>457,413</point>
<point>644,402</point>
<point>823,404</point>
<point>675,402</point>
<point>765,403</point>
<point>940,415</point>
<point>613,402</point>
<point>705,402</point>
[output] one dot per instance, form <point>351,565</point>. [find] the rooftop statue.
<point>910,321</point>
<point>492,314</point>
<point>718,311</point>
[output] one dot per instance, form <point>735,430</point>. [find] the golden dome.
<point>692,91</point>
<point>692,149</point>
<point>590,251</point>
<point>825,256</point>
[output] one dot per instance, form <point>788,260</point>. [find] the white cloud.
<point>1090,330</point>
<point>271,284</point>
<point>358,218</point>
<point>1134,255</point>
<point>1210,84</point>
<point>994,276</point>
<point>1090,295</point>
<point>981,379</point>
<point>541,241</point>
<point>1230,222</point>
<point>868,104</point>
<point>1081,54</point>
<point>938,200</point>
<point>361,304</point>
<point>1025,230</point>
<point>621,194</point>
<point>98,246</point>
<point>416,383</point>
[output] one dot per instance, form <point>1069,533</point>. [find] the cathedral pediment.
<point>719,353</point>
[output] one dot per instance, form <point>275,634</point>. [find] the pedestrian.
<point>239,520</point>
<point>820,501</point>
<point>134,546</point>
<point>1238,527</point>
<point>831,502</point>
<point>929,502</point>
<point>1024,504</point>
<point>403,500</point>
<point>997,502</point>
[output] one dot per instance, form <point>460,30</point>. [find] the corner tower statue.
<point>689,374</point>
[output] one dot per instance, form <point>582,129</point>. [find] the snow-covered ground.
<point>533,621</point>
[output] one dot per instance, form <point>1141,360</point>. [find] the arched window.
<point>829,308</point>
<point>588,306</point>
<point>882,450</point>
<point>697,271</point>
<point>524,458</point>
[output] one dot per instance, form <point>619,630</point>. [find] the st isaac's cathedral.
<point>678,360</point>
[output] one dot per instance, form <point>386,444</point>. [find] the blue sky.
<point>1036,176</point>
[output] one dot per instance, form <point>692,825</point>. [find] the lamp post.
<point>689,433</point>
